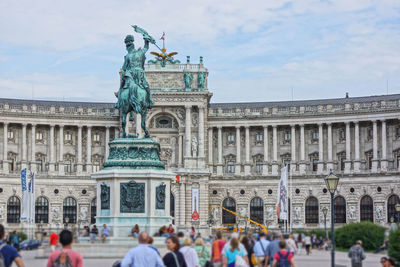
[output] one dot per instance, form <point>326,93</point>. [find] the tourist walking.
<point>203,253</point>
<point>357,254</point>
<point>228,244</point>
<point>9,253</point>
<point>307,243</point>
<point>260,249</point>
<point>190,255</point>
<point>216,250</point>
<point>65,255</point>
<point>283,258</point>
<point>53,241</point>
<point>292,244</point>
<point>234,256</point>
<point>142,254</point>
<point>299,243</point>
<point>15,240</point>
<point>249,249</point>
<point>273,248</point>
<point>174,258</point>
<point>105,232</point>
<point>94,233</point>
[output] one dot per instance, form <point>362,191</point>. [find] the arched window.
<point>69,210</point>
<point>312,210</point>
<point>227,217</point>
<point>42,210</point>
<point>93,207</point>
<point>340,210</point>
<point>257,210</point>
<point>366,209</point>
<point>172,207</point>
<point>13,210</point>
<point>391,207</point>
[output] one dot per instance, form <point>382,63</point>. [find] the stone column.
<point>107,148</point>
<point>274,150</point>
<point>293,148</point>
<point>89,150</point>
<point>303,165</point>
<point>188,127</point>
<point>329,165</point>
<point>201,132</point>
<point>320,149</point>
<point>266,155</point>
<point>52,160</point>
<point>384,161</point>
<point>203,204</point>
<point>180,150</point>
<point>116,133</point>
<point>138,120</point>
<point>375,147</point>
<point>238,155</point>
<point>61,150</point>
<point>210,149</point>
<point>23,147</point>
<point>357,163</point>
<point>79,150</point>
<point>5,148</point>
<point>247,166</point>
<point>33,148</point>
<point>347,163</point>
<point>182,205</point>
<point>220,164</point>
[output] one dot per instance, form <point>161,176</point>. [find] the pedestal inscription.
<point>132,197</point>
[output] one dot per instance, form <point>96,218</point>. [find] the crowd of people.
<point>188,250</point>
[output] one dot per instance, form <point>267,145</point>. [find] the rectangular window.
<point>68,136</point>
<point>314,165</point>
<point>287,136</point>
<point>259,137</point>
<point>231,167</point>
<point>231,138</point>
<point>315,136</point>
<point>259,166</point>
<point>342,159</point>
<point>10,134</point>
<point>39,136</point>
<point>96,137</point>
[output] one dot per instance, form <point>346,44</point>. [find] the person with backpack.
<point>260,249</point>
<point>65,256</point>
<point>357,255</point>
<point>175,257</point>
<point>8,254</point>
<point>216,249</point>
<point>283,258</point>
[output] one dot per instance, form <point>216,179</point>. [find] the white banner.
<point>282,195</point>
<point>195,204</point>
<point>25,196</point>
<point>32,198</point>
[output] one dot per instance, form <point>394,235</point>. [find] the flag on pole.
<point>25,197</point>
<point>32,198</point>
<point>163,36</point>
<point>282,195</point>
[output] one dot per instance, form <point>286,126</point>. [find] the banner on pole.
<point>25,196</point>
<point>282,195</point>
<point>195,204</point>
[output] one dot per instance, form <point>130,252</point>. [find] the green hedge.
<point>394,244</point>
<point>370,234</point>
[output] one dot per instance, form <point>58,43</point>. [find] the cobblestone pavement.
<point>316,259</point>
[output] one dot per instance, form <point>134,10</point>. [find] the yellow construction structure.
<point>262,226</point>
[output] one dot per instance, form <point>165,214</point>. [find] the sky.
<point>265,50</point>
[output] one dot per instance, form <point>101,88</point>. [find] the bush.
<point>370,234</point>
<point>394,244</point>
<point>22,235</point>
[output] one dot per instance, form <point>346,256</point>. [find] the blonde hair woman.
<point>235,256</point>
<point>190,255</point>
<point>202,252</point>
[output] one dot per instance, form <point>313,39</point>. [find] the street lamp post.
<point>331,182</point>
<point>325,212</point>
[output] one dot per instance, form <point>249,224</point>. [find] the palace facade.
<point>231,152</point>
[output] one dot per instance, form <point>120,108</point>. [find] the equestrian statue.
<point>134,92</point>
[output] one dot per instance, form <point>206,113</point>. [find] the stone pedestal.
<point>133,188</point>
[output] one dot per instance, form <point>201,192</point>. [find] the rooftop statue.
<point>134,94</point>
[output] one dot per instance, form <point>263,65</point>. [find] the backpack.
<point>283,261</point>
<point>2,261</point>
<point>63,260</point>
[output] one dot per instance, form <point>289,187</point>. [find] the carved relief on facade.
<point>269,214</point>
<point>297,214</point>
<point>352,213</point>
<point>166,154</point>
<point>379,213</point>
<point>195,119</point>
<point>83,213</point>
<point>194,146</point>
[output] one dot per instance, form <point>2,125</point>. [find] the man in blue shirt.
<point>106,232</point>
<point>142,255</point>
<point>8,252</point>
<point>260,249</point>
<point>273,248</point>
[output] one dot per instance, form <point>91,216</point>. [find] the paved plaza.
<point>317,259</point>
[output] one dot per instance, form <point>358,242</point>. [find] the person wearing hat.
<point>357,254</point>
